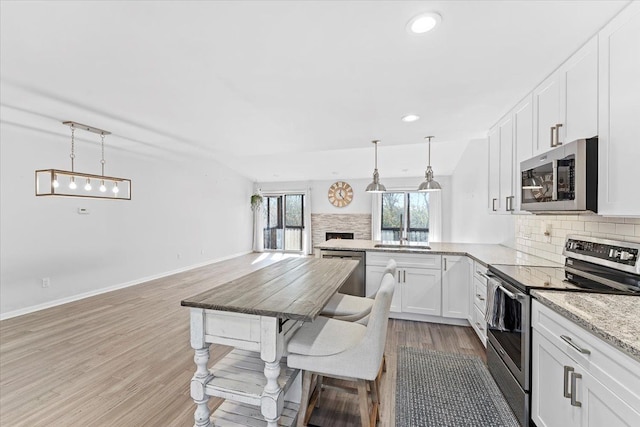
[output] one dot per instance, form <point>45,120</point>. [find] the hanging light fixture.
<point>48,180</point>
<point>429,184</point>
<point>375,186</point>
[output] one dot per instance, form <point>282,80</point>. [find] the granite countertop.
<point>613,318</point>
<point>485,254</point>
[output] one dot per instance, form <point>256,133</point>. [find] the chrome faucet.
<point>403,232</point>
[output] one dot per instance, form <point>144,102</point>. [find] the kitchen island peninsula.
<point>257,314</point>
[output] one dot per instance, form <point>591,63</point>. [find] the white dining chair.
<point>344,350</point>
<point>353,308</point>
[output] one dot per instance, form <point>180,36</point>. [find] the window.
<point>283,222</point>
<point>406,212</point>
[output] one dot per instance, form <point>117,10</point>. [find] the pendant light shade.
<point>429,184</point>
<point>375,186</point>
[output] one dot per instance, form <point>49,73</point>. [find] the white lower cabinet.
<point>421,291</point>
<point>577,379</point>
<point>431,288</point>
<point>455,286</point>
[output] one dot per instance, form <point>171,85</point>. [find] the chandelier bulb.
<point>115,188</point>
<point>72,183</point>
<point>103,188</point>
<point>55,183</point>
<point>87,186</point>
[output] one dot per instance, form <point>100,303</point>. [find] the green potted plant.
<point>256,201</point>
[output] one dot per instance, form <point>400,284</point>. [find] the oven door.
<point>512,339</point>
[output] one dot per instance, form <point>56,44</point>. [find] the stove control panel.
<point>618,252</point>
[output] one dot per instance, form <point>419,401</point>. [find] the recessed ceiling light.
<point>424,22</point>
<point>410,118</point>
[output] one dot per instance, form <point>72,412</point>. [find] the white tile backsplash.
<point>530,238</point>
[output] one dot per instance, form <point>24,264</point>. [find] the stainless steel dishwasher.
<point>355,284</point>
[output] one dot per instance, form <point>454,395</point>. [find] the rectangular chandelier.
<point>57,182</point>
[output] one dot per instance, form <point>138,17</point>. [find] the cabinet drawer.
<point>480,296</point>
<point>478,271</point>
<point>480,325</point>
<point>404,259</point>
<point>614,369</point>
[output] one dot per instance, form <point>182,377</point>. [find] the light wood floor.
<point>124,359</point>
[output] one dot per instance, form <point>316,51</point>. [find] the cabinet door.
<point>549,407</point>
<point>523,142</point>
<point>579,85</point>
<point>374,279</point>
<point>421,291</point>
<point>619,110</point>
<point>506,164</point>
<point>455,287</point>
<point>546,112</point>
<point>601,407</point>
<point>494,170</point>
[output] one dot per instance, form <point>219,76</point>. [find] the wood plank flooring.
<point>123,358</point>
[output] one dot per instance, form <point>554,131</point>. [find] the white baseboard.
<point>49,304</point>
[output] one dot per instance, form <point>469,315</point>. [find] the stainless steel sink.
<point>400,246</point>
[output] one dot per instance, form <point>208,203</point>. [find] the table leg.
<point>202,375</point>
<point>272,348</point>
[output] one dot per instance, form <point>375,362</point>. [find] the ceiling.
<point>284,90</point>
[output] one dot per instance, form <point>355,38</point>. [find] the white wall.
<point>199,210</point>
<point>361,203</point>
<point>470,218</point>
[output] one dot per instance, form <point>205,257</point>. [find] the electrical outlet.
<point>201,251</point>
<point>46,282</point>
<point>179,255</point>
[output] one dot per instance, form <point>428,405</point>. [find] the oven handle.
<point>507,292</point>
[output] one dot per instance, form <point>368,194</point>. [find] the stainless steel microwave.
<point>562,180</point>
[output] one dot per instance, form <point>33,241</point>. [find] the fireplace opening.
<point>335,235</point>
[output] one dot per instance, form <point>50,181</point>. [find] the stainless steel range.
<point>591,265</point>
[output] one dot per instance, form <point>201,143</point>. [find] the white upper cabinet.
<point>501,196</point>
<point>619,114</point>
<point>506,164</point>
<point>565,105</point>
<point>494,169</point>
<point>579,88</point>
<point>523,142</point>
<point>546,101</point>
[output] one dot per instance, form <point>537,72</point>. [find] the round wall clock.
<point>340,194</point>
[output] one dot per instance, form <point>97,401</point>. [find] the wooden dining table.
<point>257,314</point>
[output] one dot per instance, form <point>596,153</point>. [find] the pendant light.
<point>429,183</point>
<point>375,186</point>
<point>48,181</point>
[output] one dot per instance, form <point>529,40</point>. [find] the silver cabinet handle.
<point>493,205</point>
<point>445,263</point>
<point>399,273</point>
<point>566,393</point>
<point>404,276</point>
<point>479,326</point>
<point>553,129</point>
<point>558,126</point>
<point>574,399</point>
<point>569,341</point>
<point>480,297</point>
<point>508,201</point>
